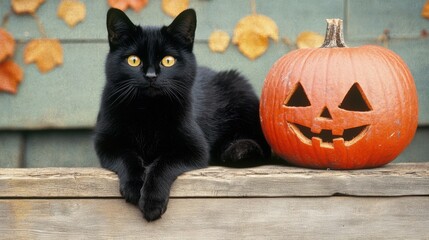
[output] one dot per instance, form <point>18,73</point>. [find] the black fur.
<point>156,122</point>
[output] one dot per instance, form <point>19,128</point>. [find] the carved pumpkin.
<point>339,107</point>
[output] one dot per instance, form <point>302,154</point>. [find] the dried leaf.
<point>256,23</point>
<point>137,5</point>
<point>46,53</point>
<point>252,32</point>
<point>309,40</point>
<point>71,11</point>
<point>425,10</point>
<point>7,46</point>
<point>252,44</point>
<point>173,7</point>
<point>26,6</point>
<point>10,76</point>
<point>219,41</point>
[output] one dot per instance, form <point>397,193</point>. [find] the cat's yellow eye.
<point>133,61</point>
<point>168,61</point>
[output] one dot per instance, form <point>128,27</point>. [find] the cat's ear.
<point>183,26</point>
<point>119,26</point>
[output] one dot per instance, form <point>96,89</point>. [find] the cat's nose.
<point>151,74</point>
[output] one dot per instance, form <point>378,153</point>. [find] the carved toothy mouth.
<point>325,136</point>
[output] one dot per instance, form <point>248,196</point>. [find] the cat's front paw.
<point>130,190</point>
<point>153,208</point>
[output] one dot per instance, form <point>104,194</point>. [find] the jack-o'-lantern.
<point>339,107</point>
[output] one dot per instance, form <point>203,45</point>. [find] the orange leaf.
<point>309,40</point>
<point>7,46</point>
<point>26,6</point>
<point>46,53</point>
<point>252,44</point>
<point>10,76</point>
<point>252,32</point>
<point>173,7</point>
<point>219,41</point>
<point>425,10</point>
<point>137,5</point>
<point>256,23</point>
<point>71,11</point>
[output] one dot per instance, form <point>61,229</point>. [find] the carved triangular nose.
<point>325,113</point>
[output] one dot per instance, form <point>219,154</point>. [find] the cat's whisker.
<point>124,92</point>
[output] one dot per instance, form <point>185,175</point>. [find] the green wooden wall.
<point>49,121</point>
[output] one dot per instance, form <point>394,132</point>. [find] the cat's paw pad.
<point>153,209</point>
<point>130,190</point>
<point>242,152</point>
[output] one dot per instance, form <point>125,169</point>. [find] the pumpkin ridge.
<point>405,98</point>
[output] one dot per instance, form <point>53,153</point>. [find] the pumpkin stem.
<point>334,34</point>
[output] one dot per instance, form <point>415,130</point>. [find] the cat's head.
<point>151,61</point>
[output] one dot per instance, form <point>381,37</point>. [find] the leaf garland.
<point>45,52</point>
<point>251,35</point>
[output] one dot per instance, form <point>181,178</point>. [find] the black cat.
<point>161,115</point>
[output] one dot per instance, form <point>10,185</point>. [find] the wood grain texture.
<point>225,218</point>
<point>265,181</point>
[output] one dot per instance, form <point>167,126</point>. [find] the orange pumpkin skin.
<point>323,131</point>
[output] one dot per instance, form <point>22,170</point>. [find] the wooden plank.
<point>11,144</point>
<point>264,181</point>
<point>418,149</point>
<point>71,148</point>
<point>225,218</point>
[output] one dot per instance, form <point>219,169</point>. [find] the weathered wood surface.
<point>220,218</point>
<point>265,181</point>
<point>268,202</point>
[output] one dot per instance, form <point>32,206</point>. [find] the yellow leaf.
<point>7,46</point>
<point>26,6</point>
<point>256,23</point>
<point>10,76</point>
<point>252,32</point>
<point>137,5</point>
<point>71,11</point>
<point>46,53</point>
<point>173,7</point>
<point>425,10</point>
<point>219,41</point>
<point>309,40</point>
<point>252,44</point>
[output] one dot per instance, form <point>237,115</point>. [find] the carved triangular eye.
<point>355,100</point>
<point>298,98</point>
